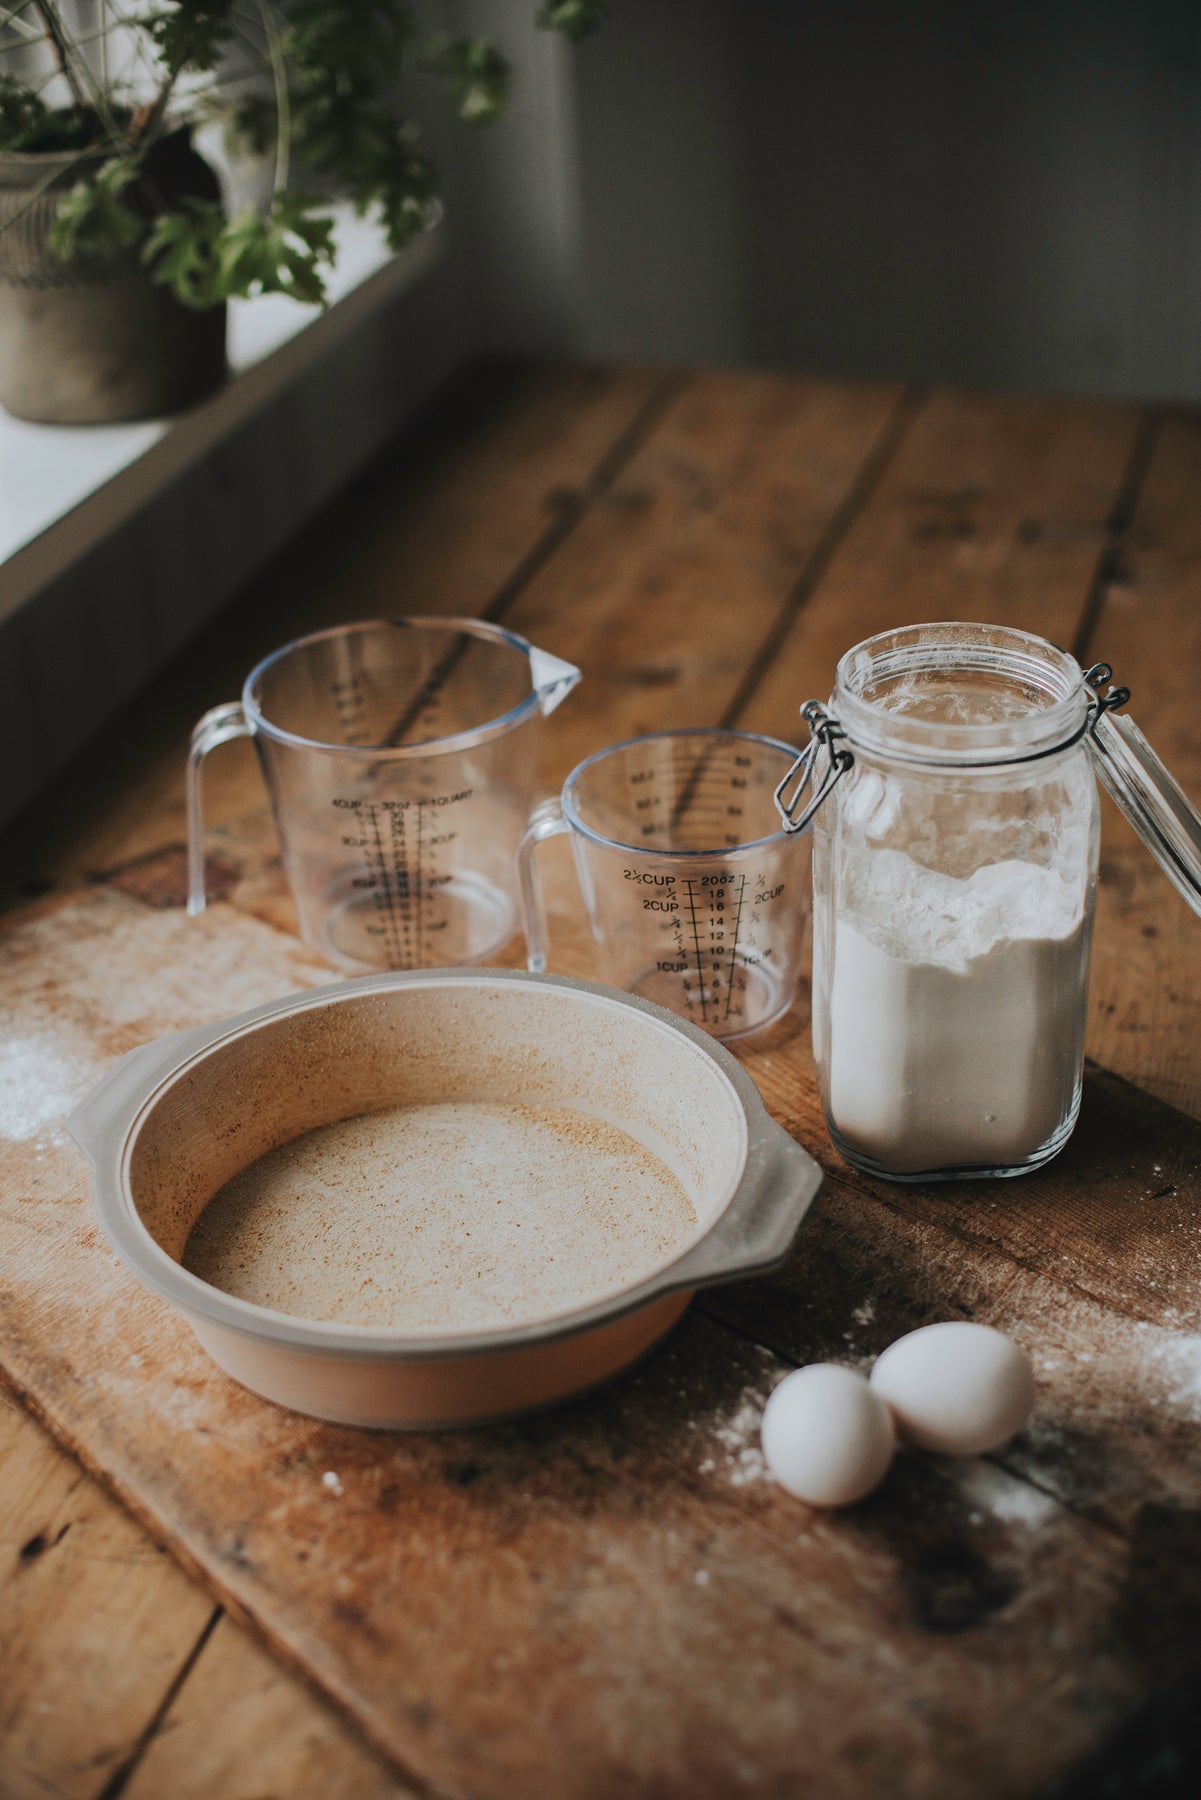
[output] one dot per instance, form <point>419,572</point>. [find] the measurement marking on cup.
<point>385,899</point>
<point>696,938</point>
<point>398,824</point>
<point>734,945</point>
<point>417,961</point>
<point>399,877</point>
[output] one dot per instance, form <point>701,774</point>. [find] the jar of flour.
<point>954,809</point>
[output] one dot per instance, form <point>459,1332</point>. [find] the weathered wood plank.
<point>157,878</point>
<point>718,512</point>
<point>1114,1437</point>
<point>96,1621</point>
<point>523,1611</point>
<point>994,508</point>
<point>242,1727</point>
<point>665,592</point>
<point>573,1544</point>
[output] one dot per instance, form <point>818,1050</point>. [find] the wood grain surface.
<point>612,1600</point>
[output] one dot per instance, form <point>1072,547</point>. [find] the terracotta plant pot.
<point>94,340</point>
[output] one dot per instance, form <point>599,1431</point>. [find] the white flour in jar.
<point>955,1014</point>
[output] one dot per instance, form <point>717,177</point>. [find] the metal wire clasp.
<point>824,732</point>
<point>1095,678</point>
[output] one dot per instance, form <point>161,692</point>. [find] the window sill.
<point>64,488</point>
<point>118,542</point>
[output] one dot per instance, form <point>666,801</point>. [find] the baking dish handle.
<point>103,1116</point>
<point>760,1225</point>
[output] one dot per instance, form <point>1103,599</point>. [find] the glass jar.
<point>954,877</point>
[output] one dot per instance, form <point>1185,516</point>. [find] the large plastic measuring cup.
<point>400,756</point>
<point>696,897</point>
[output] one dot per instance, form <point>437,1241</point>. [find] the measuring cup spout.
<point>553,679</point>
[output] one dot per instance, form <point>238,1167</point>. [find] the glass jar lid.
<point>1155,804</point>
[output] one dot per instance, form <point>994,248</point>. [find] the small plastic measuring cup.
<point>696,897</point>
<point>400,757</point>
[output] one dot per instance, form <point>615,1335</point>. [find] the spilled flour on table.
<point>82,982</point>
<point>1006,1497</point>
<point>1118,1405</point>
<point>38,1086</point>
<point>740,1440</point>
<point>1179,1359</point>
<point>732,1441</point>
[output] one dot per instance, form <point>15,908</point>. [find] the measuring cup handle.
<point>545,821</point>
<point>216,727</point>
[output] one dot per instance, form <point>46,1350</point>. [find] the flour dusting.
<point>1180,1360</point>
<point>38,1086</point>
<point>1005,1497</point>
<point>732,1440</point>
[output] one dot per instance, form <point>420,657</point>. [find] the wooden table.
<point>612,1600</point>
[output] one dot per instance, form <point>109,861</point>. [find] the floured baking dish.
<point>436,1198</point>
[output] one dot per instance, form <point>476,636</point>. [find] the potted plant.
<point>116,254</point>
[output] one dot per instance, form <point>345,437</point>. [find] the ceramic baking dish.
<point>178,1118</point>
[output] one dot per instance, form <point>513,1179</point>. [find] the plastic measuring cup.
<point>696,897</point>
<point>400,756</point>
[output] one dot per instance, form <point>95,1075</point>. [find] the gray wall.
<point>999,193</point>
<point>959,190</point>
<point>600,215</point>
<point>511,187</point>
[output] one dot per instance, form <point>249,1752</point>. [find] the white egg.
<point>957,1387</point>
<point>826,1437</point>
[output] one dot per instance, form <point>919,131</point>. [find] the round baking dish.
<point>176,1119</point>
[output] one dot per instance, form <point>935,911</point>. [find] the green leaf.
<point>190,34</point>
<point>340,62</point>
<point>477,76</point>
<point>362,46</point>
<point>406,193</point>
<point>576,19</point>
<point>283,253</point>
<point>93,218</point>
<point>363,144</point>
<point>204,258</point>
<point>181,252</point>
